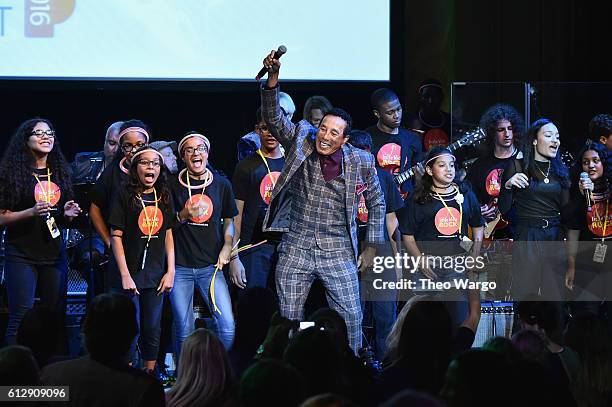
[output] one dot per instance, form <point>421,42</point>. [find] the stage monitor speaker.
<point>496,319</point>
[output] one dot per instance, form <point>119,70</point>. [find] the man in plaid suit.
<point>315,203</point>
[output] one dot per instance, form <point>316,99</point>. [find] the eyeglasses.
<point>41,133</point>
<point>148,163</point>
<point>128,148</point>
<point>191,150</point>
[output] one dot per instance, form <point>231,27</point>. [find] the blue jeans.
<point>259,264</point>
<point>22,280</point>
<point>181,299</point>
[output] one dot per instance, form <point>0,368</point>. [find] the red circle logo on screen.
<point>267,185</point>
<point>447,221</point>
<point>151,221</point>
<point>204,208</point>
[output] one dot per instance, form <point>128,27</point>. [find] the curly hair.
<point>600,126</point>
<point>500,111</point>
<point>18,161</point>
<point>556,164</point>
<point>135,188</point>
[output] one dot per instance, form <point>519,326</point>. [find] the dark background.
<point>533,41</point>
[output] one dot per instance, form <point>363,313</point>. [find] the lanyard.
<point>149,224</point>
<point>449,211</point>
<point>605,222</point>
<point>267,167</point>
<point>207,181</point>
<point>47,193</point>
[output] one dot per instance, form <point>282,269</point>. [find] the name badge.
<point>466,243</point>
<point>600,253</point>
<point>52,226</point>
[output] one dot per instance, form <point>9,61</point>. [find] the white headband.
<point>137,129</point>
<point>146,150</point>
<point>187,137</point>
<point>438,156</point>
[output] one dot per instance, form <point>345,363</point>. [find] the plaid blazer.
<point>298,140</point>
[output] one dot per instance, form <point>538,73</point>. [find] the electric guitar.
<point>471,137</point>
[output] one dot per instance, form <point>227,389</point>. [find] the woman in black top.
<point>35,197</point>
<point>589,221</point>
<point>538,186</point>
<point>142,244</point>
<point>434,227</point>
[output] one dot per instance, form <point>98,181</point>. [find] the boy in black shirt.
<point>384,302</point>
<point>203,240</point>
<point>395,149</point>
<point>253,181</point>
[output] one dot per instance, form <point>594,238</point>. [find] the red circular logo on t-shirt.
<point>362,210</point>
<point>43,188</point>
<point>447,221</point>
<point>204,207</point>
<point>267,185</point>
<point>389,157</point>
<point>595,219</point>
<point>435,138</point>
<point>151,221</point>
<point>493,182</point>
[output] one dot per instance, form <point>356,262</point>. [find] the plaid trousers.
<point>297,269</point>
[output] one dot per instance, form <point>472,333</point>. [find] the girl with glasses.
<point>35,199</point>
<point>142,244</point>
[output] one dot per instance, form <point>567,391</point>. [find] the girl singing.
<point>35,199</point>
<point>589,221</point>
<point>538,186</point>
<point>142,244</point>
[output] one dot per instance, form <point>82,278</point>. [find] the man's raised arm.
<point>280,126</point>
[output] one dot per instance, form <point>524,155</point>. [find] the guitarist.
<point>504,128</point>
<point>395,149</point>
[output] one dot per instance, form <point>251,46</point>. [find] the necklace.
<point>546,180</point>
<point>122,165</point>
<point>433,126</point>
<point>208,178</point>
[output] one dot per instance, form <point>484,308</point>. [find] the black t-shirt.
<point>107,187</point>
<point>538,200</point>
<point>436,134</point>
<point>486,175</point>
<point>591,227</point>
<point>29,240</point>
<point>435,227</point>
<point>253,185</point>
<point>131,218</point>
<point>389,154</point>
<point>393,200</point>
<point>197,242</point>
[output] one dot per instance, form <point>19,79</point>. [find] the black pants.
<point>539,262</point>
<point>23,280</point>
<point>148,314</point>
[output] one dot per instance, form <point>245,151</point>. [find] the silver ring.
<point>545,226</point>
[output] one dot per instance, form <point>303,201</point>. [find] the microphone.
<point>584,177</point>
<point>277,54</point>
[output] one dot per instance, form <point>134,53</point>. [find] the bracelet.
<point>178,218</point>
